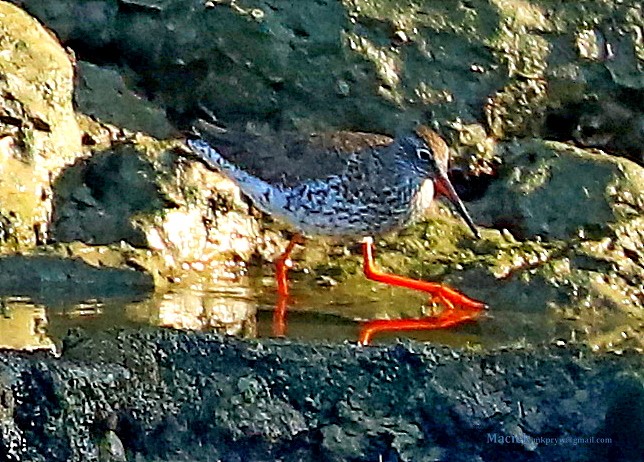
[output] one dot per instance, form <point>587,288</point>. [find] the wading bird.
<point>374,185</point>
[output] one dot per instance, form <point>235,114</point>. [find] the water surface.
<point>244,307</point>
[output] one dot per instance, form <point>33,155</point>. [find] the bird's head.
<point>429,155</point>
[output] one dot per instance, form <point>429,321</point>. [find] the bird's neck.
<point>423,197</point>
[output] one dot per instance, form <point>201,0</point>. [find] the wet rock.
<point>226,399</point>
<point>81,188</point>
<point>39,135</point>
<point>102,94</point>
<point>176,217</point>
<point>575,218</point>
<point>111,448</point>
<point>557,192</point>
<point>368,65</point>
<point>97,198</point>
<point>47,278</point>
<point>612,127</point>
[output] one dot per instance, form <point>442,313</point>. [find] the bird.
<point>351,185</point>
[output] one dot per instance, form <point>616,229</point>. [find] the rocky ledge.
<point>194,397</point>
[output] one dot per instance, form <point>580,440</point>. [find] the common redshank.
<point>379,185</point>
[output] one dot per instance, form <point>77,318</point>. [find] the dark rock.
<point>227,399</point>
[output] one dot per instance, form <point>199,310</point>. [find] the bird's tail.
<point>264,195</point>
<point>212,157</point>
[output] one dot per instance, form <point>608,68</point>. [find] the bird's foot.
<point>459,308</point>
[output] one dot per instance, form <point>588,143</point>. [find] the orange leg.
<point>282,264</point>
<point>459,307</point>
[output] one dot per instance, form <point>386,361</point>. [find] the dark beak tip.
<point>445,188</point>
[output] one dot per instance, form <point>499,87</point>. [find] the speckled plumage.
<point>379,187</point>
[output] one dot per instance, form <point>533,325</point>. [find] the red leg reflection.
<point>279,316</point>
<point>282,264</point>
<point>459,307</point>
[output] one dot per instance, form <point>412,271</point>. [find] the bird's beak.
<point>444,187</point>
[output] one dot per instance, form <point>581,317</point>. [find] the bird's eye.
<point>424,154</point>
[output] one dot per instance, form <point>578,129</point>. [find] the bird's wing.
<point>290,158</point>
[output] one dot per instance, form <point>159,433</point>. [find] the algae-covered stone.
<point>556,192</point>
<point>38,129</point>
<point>574,242</point>
<point>373,65</point>
<point>180,215</point>
<point>111,198</point>
<point>102,93</point>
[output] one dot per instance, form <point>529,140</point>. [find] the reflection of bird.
<point>367,185</point>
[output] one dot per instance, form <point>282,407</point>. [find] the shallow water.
<point>245,307</point>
